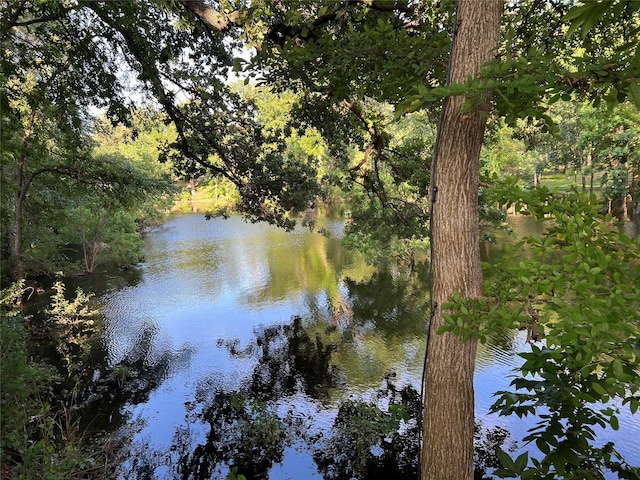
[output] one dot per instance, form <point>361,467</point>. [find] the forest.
<point>421,124</point>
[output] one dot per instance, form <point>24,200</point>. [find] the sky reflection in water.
<point>281,317</point>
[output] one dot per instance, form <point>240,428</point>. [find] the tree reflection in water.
<point>140,370</point>
<point>381,439</point>
<point>295,358</point>
<point>395,306</point>
<point>243,432</point>
<point>373,440</point>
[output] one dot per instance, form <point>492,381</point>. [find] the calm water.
<point>228,322</point>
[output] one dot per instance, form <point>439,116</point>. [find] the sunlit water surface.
<point>198,316</point>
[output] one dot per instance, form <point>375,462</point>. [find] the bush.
<point>38,439</point>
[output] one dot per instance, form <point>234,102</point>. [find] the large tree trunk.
<point>447,450</point>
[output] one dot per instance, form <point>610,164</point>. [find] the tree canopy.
<point>355,66</point>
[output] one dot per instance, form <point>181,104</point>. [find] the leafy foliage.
<point>72,324</point>
<point>382,50</point>
<point>504,154</point>
<point>540,59</point>
<point>387,208</point>
<point>38,440</point>
<point>64,59</point>
<point>55,70</point>
<point>578,285</point>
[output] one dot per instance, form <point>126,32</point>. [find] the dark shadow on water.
<point>241,433</point>
<point>97,392</point>
<point>130,382</point>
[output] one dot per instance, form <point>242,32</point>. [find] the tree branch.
<point>365,157</point>
<point>219,21</point>
<point>13,21</point>
<point>60,169</point>
<point>378,141</point>
<point>153,75</point>
<point>357,111</point>
<point>34,21</point>
<point>14,18</point>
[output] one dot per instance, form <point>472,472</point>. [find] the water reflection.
<point>294,358</point>
<point>246,432</point>
<point>142,368</point>
<point>395,307</point>
<point>376,439</point>
<point>239,330</point>
<point>242,436</point>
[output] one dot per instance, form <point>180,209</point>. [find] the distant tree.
<point>53,72</point>
<point>614,140</point>
<point>505,154</point>
<point>52,176</point>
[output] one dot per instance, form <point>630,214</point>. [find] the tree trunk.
<point>590,166</point>
<point>626,196</point>
<point>447,450</point>
<point>23,183</point>
<point>21,195</point>
<point>625,210</point>
<point>17,239</point>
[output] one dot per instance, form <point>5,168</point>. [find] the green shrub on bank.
<point>39,433</point>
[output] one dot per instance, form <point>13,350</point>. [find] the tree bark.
<point>17,239</point>
<point>448,421</point>
<point>21,195</point>
<point>211,16</point>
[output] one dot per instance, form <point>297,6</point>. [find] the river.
<point>240,334</point>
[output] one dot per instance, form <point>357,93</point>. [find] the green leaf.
<point>575,13</point>
<point>634,92</point>
<point>506,460</point>
<point>617,368</point>
<point>543,446</point>
<point>613,421</point>
<point>586,16</point>
<point>521,462</point>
